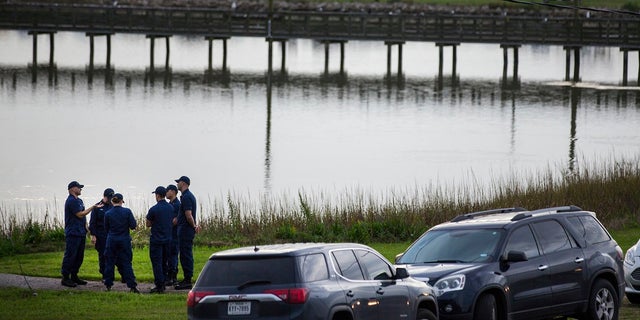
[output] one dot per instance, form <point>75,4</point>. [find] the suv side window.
<point>347,264</point>
<point>313,267</point>
<point>589,229</point>
<point>552,236</point>
<point>522,240</point>
<point>375,267</point>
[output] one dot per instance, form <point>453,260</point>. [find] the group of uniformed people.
<point>172,226</point>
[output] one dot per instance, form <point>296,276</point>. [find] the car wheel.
<point>486,308</point>
<point>424,314</point>
<point>603,303</point>
<point>633,298</point>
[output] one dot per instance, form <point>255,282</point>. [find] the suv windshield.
<point>451,246</point>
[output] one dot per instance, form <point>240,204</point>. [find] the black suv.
<point>340,281</point>
<point>517,264</point>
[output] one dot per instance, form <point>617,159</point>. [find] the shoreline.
<point>255,6</point>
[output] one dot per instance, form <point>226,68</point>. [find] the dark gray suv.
<point>341,281</point>
<point>517,264</point>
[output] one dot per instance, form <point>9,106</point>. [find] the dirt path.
<point>41,283</point>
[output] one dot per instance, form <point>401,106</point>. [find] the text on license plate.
<point>239,308</point>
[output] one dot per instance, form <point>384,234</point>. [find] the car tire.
<point>486,308</point>
<point>633,298</point>
<point>425,314</point>
<point>603,302</point>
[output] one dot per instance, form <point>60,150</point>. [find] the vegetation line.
<point>611,188</point>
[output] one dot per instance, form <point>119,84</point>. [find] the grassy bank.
<point>22,304</point>
<point>609,188</point>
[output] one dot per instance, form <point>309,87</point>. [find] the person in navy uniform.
<point>160,219</point>
<point>172,272</point>
<point>186,231</point>
<point>75,233</point>
<point>117,222</point>
<point>96,226</point>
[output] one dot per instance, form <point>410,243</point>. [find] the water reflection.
<point>448,104</point>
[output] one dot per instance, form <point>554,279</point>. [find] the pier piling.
<point>576,63</point>
<point>625,64</point>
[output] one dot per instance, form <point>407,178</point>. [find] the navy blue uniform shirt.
<point>118,221</point>
<point>161,217</point>
<point>96,222</point>
<point>74,226</point>
<point>187,202</point>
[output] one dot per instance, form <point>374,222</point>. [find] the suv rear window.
<point>235,272</point>
<point>590,229</point>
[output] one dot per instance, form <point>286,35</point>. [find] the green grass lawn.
<point>48,264</point>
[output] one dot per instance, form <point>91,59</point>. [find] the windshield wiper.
<point>445,261</point>
<point>253,283</point>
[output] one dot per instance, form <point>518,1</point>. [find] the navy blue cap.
<point>184,179</point>
<point>117,197</point>
<point>172,187</point>
<point>73,184</point>
<point>161,191</point>
<point>108,192</point>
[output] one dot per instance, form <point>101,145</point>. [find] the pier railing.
<point>576,30</point>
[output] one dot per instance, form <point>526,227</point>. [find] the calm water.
<point>324,134</point>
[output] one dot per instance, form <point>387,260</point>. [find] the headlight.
<point>453,283</point>
<point>629,258</point>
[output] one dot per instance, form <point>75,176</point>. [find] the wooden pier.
<point>394,28</point>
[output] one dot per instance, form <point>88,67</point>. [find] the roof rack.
<point>546,210</point>
<point>486,213</point>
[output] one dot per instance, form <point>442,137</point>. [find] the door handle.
<point>380,291</point>
<point>579,260</point>
<point>350,294</point>
<point>543,267</point>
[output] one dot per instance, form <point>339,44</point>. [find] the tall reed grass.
<point>611,188</point>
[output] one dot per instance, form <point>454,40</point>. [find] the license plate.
<point>239,308</point>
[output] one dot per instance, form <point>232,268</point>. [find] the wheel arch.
<point>609,276</point>
<point>429,304</point>
<point>502,303</point>
<point>341,313</point>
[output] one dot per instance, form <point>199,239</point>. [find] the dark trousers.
<point>159,254</point>
<point>73,255</point>
<point>118,252</point>
<point>185,237</point>
<point>101,243</point>
<point>173,255</point>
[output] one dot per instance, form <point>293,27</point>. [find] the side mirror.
<point>515,256</point>
<point>398,256</point>
<point>401,273</point>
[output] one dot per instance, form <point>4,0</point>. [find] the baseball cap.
<point>77,184</point>
<point>161,191</point>
<point>108,192</point>
<point>172,187</point>
<point>117,197</point>
<point>184,179</point>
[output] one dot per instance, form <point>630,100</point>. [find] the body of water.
<point>251,135</point>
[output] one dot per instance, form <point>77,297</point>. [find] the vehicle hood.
<point>432,272</point>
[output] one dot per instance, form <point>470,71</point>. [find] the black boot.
<point>184,285</point>
<point>67,282</point>
<point>168,279</point>
<point>77,280</point>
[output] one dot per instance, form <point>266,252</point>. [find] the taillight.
<point>194,297</point>
<point>620,254</point>
<point>293,296</point>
